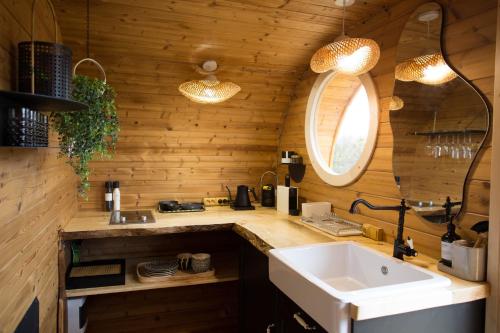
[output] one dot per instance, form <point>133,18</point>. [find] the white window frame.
<point>321,166</point>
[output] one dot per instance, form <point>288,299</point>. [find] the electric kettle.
<point>242,201</point>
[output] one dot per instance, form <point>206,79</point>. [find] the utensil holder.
<point>467,262</point>
<point>44,67</point>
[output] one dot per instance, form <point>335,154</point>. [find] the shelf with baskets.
<point>225,266</point>
<point>38,102</point>
<point>22,121</point>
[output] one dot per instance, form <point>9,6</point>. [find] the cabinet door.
<point>257,293</point>
<point>294,319</point>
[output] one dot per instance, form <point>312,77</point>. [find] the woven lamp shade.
<point>209,91</point>
<point>396,103</point>
<point>351,56</point>
<point>430,69</point>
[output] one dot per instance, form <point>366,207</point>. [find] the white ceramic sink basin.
<point>323,279</point>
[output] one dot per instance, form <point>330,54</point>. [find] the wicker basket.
<point>51,63</point>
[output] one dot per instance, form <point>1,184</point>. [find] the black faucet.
<point>400,249</point>
<point>448,205</point>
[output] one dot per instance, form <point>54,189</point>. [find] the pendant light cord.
<point>343,18</point>
<point>88,28</point>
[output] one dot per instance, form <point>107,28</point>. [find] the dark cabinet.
<point>263,307</point>
<point>292,319</point>
<point>257,293</point>
<point>457,318</point>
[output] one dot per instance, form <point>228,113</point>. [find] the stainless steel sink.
<point>131,217</point>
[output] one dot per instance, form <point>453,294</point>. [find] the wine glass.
<point>446,147</point>
<point>470,147</point>
<point>429,148</point>
<point>465,150</point>
<point>453,148</point>
<point>437,147</point>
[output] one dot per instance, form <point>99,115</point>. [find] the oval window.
<point>341,126</point>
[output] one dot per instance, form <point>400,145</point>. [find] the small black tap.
<point>400,249</point>
<point>448,205</point>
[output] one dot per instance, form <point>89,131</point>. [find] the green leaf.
<point>83,135</point>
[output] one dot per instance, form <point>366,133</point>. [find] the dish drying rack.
<point>334,225</point>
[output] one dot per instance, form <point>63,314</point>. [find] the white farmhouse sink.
<point>324,279</point>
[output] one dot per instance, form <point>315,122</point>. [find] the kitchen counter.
<point>267,229</point>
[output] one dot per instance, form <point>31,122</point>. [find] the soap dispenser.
<point>450,236</point>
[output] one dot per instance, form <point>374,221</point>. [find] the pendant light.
<point>346,55</point>
<point>431,68</point>
<point>396,103</point>
<point>209,90</point>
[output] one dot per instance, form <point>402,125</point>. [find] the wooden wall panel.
<point>37,195</point>
<point>470,44</point>
<point>201,309</point>
<point>170,148</point>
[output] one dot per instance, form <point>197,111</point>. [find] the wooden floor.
<point>193,309</point>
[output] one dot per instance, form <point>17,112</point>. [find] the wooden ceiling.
<point>169,147</point>
<point>272,39</point>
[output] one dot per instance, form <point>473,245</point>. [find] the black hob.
<point>172,206</point>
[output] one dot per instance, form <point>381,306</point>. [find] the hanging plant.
<point>88,134</point>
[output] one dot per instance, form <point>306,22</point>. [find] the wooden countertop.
<point>267,229</point>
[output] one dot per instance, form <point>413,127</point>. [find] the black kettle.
<point>242,200</point>
<point>242,197</point>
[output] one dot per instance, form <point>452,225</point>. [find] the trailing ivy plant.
<point>84,135</point>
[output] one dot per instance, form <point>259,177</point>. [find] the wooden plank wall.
<point>201,309</point>
<point>170,148</point>
<point>37,195</point>
<point>470,45</point>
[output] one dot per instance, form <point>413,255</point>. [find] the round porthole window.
<point>341,126</point>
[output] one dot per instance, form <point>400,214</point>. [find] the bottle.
<point>108,196</point>
<point>287,180</point>
<point>446,240</point>
<point>116,195</point>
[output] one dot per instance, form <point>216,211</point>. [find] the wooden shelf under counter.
<point>225,265</point>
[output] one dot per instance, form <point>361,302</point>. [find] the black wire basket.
<point>44,67</point>
<point>52,68</point>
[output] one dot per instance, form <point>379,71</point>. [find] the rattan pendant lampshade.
<point>209,90</point>
<point>346,55</point>
<point>430,69</point>
<point>351,56</point>
<point>396,103</point>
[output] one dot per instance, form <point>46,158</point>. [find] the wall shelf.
<point>39,102</point>
<point>466,131</point>
<point>225,264</point>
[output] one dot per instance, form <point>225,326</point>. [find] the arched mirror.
<point>439,120</point>
<point>341,126</point>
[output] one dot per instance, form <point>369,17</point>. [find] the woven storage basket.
<point>51,63</point>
